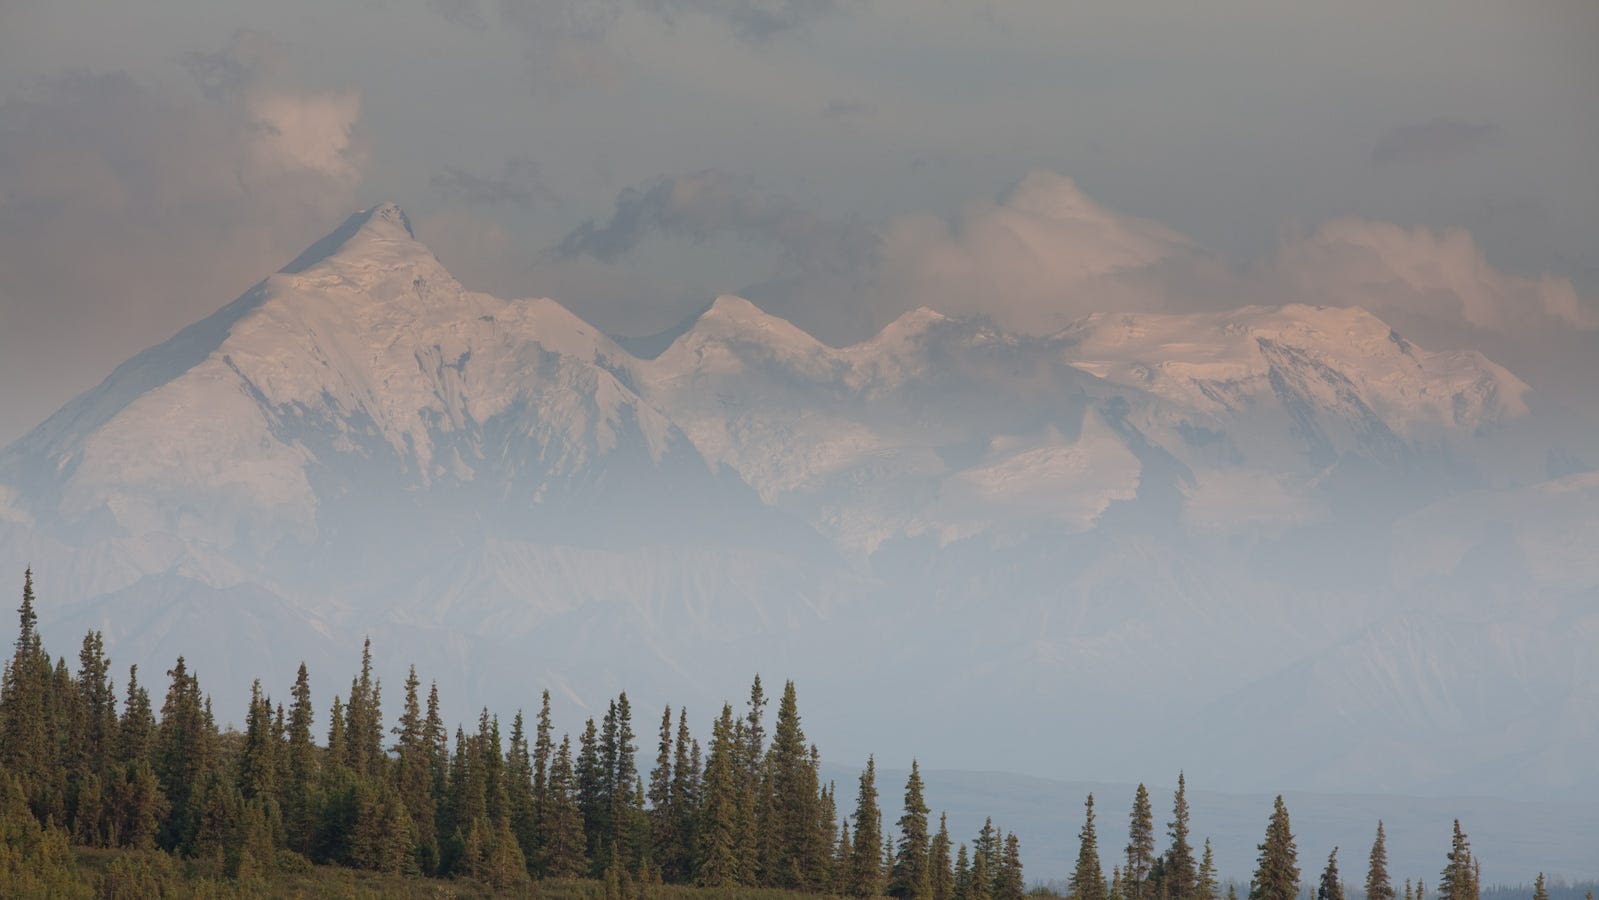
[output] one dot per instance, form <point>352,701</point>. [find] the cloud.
<point>465,13</point>
<point>307,132</point>
<point>128,211</point>
<point>849,109</point>
<point>553,24</point>
<point>1420,274</point>
<point>518,184</point>
<point>707,204</point>
<point>1039,256</point>
<point>1430,142</point>
<point>754,20</point>
<point>1043,254</point>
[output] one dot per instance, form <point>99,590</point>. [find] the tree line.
<point>1175,874</point>
<point>745,809</point>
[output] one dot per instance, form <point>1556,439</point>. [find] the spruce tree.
<point>1459,878</point>
<point>561,839</point>
<point>1140,847</point>
<point>593,790</point>
<point>963,874</point>
<point>662,813</point>
<point>24,729</point>
<point>626,812</point>
<point>1539,892</point>
<point>941,880</point>
<point>1277,868</point>
<point>1208,884</point>
<point>980,884</point>
<point>95,733</point>
<point>413,776</point>
<point>843,860</point>
<point>1008,882</point>
<point>910,877</point>
<point>1088,880</point>
<point>791,855</point>
<point>521,807</point>
<point>1330,888</point>
<point>678,866</point>
<point>1181,876</point>
<point>136,729</point>
<point>717,863</point>
<point>1378,885</point>
<point>866,872</point>
<point>184,757</point>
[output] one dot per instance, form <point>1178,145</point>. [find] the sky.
<point>837,161</point>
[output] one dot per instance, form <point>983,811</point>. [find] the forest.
<point>103,795</point>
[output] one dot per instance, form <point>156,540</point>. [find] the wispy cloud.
<point>755,20</point>
<point>839,108</point>
<point>518,184</point>
<point>1431,141</point>
<point>702,205</point>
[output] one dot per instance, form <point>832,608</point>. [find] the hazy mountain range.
<point>1277,546</point>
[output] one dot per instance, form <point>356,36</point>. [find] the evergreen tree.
<point>258,761</point>
<point>1331,888</point>
<point>1277,868</point>
<point>962,886</point>
<point>626,804</point>
<point>987,844</point>
<point>300,798</point>
<point>1140,847</point>
<point>1088,880</point>
<point>679,865</point>
<point>980,884</point>
<point>1181,878</point>
<point>662,813</point>
<point>184,757</point>
<point>941,880</point>
<point>1378,885</point>
<point>910,876</point>
<point>543,754</point>
<point>363,725</point>
<point>25,750</point>
<point>562,841</point>
<point>521,805</point>
<point>1208,884</point>
<point>792,854</point>
<point>136,729</point>
<point>1459,878</point>
<point>95,732</point>
<point>750,738</point>
<point>594,791</point>
<point>1539,892</point>
<point>1008,883</point>
<point>843,860</point>
<point>717,863</point>
<point>866,874</point>
<point>413,776</point>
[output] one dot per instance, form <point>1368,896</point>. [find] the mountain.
<point>1204,528</point>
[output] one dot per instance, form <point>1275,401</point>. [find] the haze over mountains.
<point>1277,546</point>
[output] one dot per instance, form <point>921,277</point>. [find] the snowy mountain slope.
<point>501,493</point>
<point>901,435</point>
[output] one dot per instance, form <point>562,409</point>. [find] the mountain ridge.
<point>361,442</point>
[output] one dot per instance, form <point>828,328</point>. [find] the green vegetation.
<point>98,802</point>
<point>101,802</point>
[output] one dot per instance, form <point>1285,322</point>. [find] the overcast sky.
<point>839,161</point>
